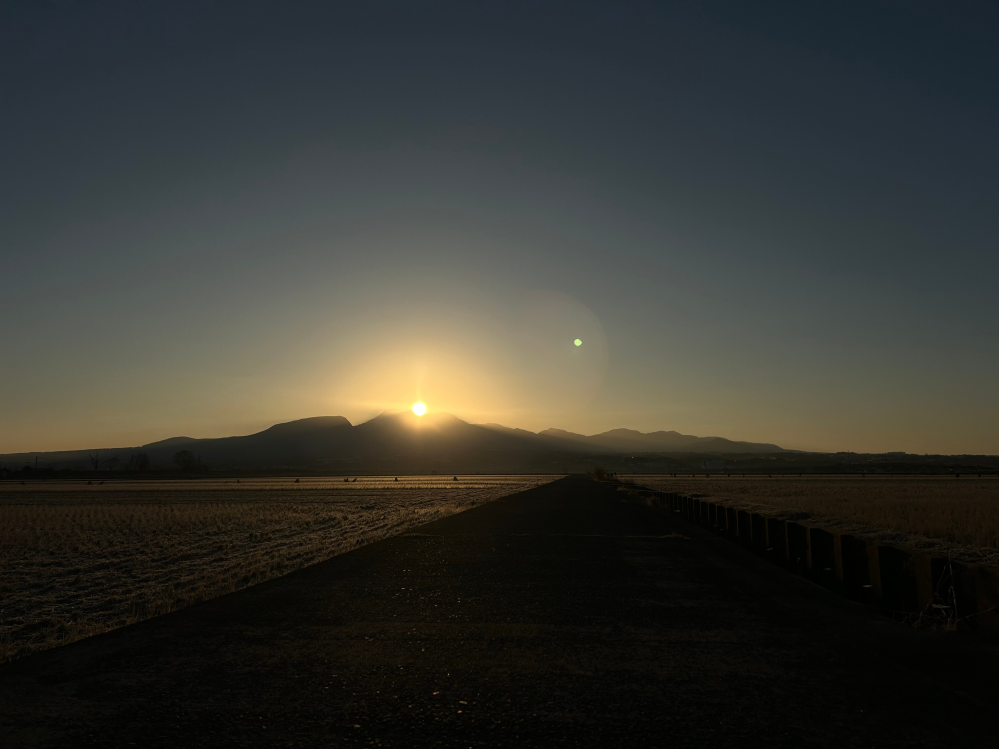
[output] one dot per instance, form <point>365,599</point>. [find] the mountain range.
<point>391,436</point>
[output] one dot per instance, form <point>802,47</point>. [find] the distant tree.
<point>95,460</point>
<point>185,460</point>
<point>138,462</point>
<point>111,463</point>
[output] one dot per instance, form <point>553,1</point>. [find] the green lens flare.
<point>578,342</point>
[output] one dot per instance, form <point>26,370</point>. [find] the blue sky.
<point>774,222</point>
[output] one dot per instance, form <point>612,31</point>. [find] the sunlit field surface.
<point>78,559</point>
<point>944,511</point>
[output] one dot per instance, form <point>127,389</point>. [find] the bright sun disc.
<point>419,409</point>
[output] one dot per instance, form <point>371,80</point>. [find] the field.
<point>960,516</point>
<point>78,559</point>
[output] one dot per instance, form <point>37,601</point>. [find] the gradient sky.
<point>766,221</point>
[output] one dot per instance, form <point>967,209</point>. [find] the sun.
<point>419,409</point>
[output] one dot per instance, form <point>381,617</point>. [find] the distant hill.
<point>391,436</point>
<point>629,440</point>
<point>292,442</point>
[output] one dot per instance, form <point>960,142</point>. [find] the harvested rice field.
<point>79,559</point>
<point>956,515</point>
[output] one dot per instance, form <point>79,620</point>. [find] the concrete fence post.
<point>874,574</point>
<point>853,568</point>
<point>821,557</point>
<point>745,529</point>
<point>776,541</point>
<point>899,591</point>
<point>954,593</point>
<point>758,523</point>
<point>723,521</point>
<point>965,594</point>
<point>987,593</point>
<point>933,585</point>
<point>797,547</point>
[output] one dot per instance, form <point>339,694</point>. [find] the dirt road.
<point>561,616</point>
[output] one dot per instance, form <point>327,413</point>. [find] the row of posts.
<point>911,585</point>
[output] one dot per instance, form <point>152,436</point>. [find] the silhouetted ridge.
<point>397,435</point>
<point>405,432</point>
<point>168,441</point>
<point>630,440</point>
<point>304,426</point>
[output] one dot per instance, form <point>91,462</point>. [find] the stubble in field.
<point>76,560</point>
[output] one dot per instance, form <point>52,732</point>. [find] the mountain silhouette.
<point>630,440</point>
<point>407,433</point>
<point>398,435</point>
<point>295,441</point>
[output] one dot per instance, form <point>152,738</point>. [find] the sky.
<point>764,221</point>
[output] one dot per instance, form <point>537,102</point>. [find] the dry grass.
<point>76,560</point>
<point>959,515</point>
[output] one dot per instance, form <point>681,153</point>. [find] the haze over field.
<point>772,222</point>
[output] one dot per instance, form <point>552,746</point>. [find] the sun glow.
<point>419,409</point>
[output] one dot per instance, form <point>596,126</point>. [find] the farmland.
<point>77,559</point>
<point>957,515</point>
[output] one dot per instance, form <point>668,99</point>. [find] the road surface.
<point>568,615</point>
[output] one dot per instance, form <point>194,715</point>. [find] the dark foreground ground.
<point>563,616</point>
